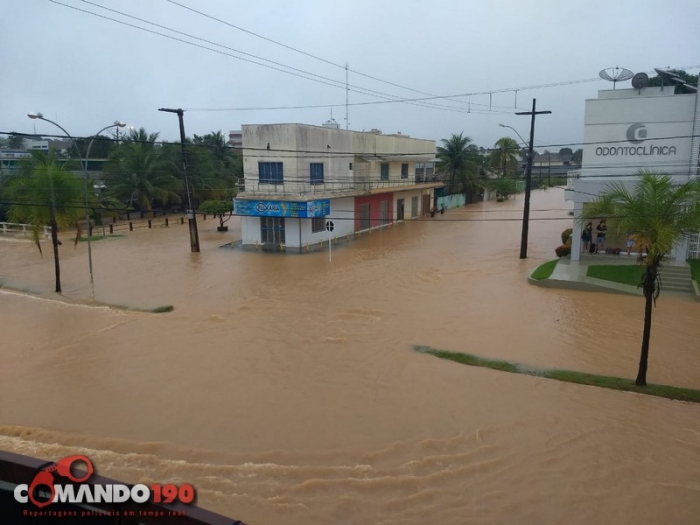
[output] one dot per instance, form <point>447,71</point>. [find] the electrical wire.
<point>327,152</point>
<point>324,80</point>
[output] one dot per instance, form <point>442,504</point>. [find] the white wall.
<point>607,148</point>
<point>302,145</point>
<point>343,217</point>
<point>407,195</point>
<point>295,142</point>
<point>250,229</point>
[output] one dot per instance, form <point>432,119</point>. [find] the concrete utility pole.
<point>191,216</point>
<point>528,177</point>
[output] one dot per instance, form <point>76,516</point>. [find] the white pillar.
<point>681,250</point>
<point>576,235</point>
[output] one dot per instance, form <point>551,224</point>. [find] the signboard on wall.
<point>302,210</point>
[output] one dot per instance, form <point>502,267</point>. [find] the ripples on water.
<point>285,389</point>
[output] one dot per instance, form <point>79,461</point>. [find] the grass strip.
<point>695,269</point>
<point>163,309</point>
<point>630,274</point>
<point>568,376</point>
<point>95,238</point>
<point>543,271</point>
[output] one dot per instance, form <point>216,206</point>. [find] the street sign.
<point>329,226</point>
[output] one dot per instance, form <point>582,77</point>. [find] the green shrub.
<point>563,250</point>
<point>566,236</point>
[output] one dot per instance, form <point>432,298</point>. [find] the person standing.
<point>600,238</point>
<point>587,236</point>
<point>630,242</point>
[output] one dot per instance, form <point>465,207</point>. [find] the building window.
<point>350,166</point>
<point>414,207</point>
<point>316,172</point>
<point>318,224</point>
<point>384,171</point>
<point>270,173</point>
<point>384,212</point>
<point>404,171</point>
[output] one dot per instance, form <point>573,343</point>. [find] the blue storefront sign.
<point>302,210</point>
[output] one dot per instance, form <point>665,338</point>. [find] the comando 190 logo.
<point>45,482</point>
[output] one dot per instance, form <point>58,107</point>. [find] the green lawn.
<point>630,274</point>
<point>695,269</point>
<point>543,271</point>
<point>568,376</point>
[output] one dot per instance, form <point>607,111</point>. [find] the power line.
<point>357,217</point>
<point>326,80</point>
<point>317,57</point>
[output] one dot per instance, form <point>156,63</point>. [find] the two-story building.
<point>628,130</point>
<point>297,177</point>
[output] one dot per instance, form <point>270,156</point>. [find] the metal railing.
<point>14,227</point>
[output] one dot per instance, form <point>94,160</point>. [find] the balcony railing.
<point>330,187</point>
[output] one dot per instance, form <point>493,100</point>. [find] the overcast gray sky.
<point>85,72</point>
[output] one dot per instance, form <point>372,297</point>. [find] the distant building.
<point>298,177</point>
<point>627,130</point>
<point>235,139</point>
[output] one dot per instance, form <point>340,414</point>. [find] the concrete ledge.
<point>696,289</point>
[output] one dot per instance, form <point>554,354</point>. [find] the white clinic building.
<point>628,130</point>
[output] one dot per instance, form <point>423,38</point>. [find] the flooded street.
<point>285,387</point>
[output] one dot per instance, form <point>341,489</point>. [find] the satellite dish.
<point>640,81</point>
<point>615,74</point>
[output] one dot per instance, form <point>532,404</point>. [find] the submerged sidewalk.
<point>572,275</point>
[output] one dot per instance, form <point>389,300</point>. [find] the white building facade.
<point>299,177</point>
<point>628,130</point>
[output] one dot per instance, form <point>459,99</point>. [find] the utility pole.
<point>528,178</point>
<point>191,216</point>
<point>347,94</point>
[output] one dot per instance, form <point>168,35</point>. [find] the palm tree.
<point>504,154</point>
<point>457,156</point>
<point>44,193</point>
<point>660,213</point>
<point>137,174</point>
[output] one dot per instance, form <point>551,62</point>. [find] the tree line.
<point>466,167</point>
<point>139,174</point>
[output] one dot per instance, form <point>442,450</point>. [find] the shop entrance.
<point>272,230</point>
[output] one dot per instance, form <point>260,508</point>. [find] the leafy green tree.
<point>222,210</point>
<point>565,151</point>
<point>577,157</point>
<point>142,137</point>
<point>140,174</point>
<point>457,156</point>
<point>45,193</point>
<point>504,155</point>
<point>504,187</point>
<point>686,77</point>
<point>15,141</point>
<point>101,147</point>
<point>660,213</point>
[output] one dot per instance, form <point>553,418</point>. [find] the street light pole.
<point>191,216</point>
<point>117,123</point>
<point>516,132</point>
<point>528,176</point>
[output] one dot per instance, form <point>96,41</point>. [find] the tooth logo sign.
<point>636,133</point>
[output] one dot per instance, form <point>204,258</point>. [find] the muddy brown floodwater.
<point>286,390</point>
